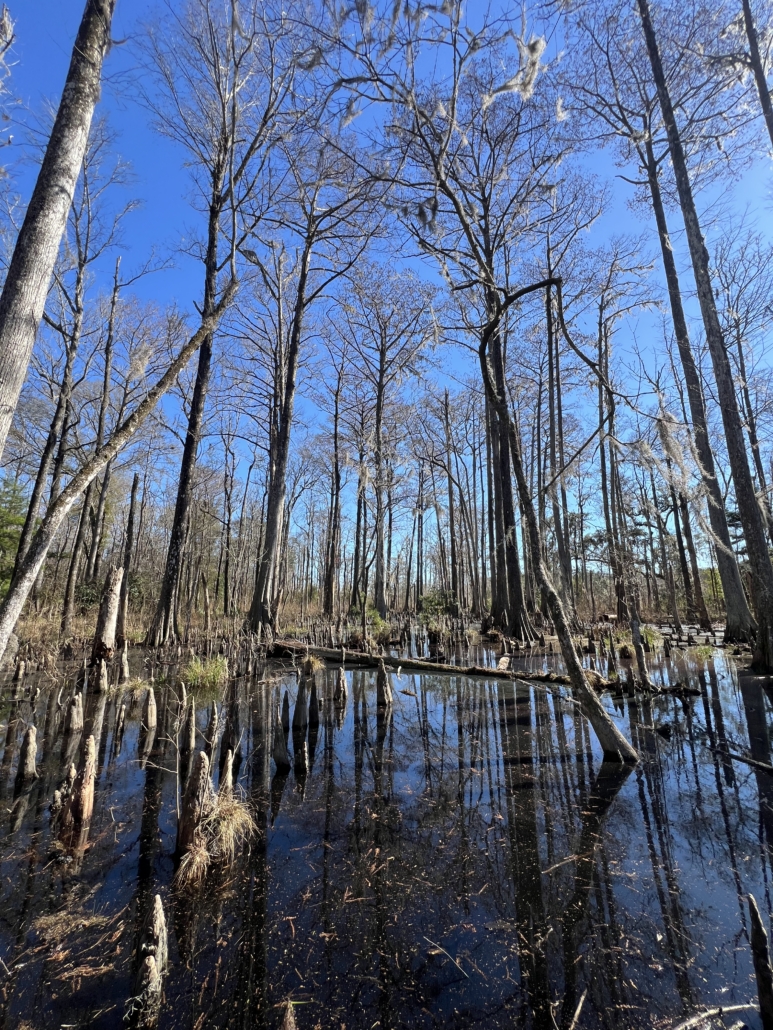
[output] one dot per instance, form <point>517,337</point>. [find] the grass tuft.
<point>205,677</point>
<point>195,864</point>
<point>225,827</point>
<point>311,664</point>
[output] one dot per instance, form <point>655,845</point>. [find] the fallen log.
<point>289,648</point>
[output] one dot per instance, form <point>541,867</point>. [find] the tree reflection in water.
<point>461,859</point>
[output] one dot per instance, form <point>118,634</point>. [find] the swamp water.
<point>465,860</point>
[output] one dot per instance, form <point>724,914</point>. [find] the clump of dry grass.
<point>226,824</point>
<point>311,664</point>
<point>193,869</point>
<point>232,825</point>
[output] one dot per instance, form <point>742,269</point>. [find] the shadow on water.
<point>461,859</point>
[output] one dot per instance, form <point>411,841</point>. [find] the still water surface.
<point>467,860</point>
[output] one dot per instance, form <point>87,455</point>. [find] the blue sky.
<point>45,31</point>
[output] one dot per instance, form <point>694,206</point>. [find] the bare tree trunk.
<point>359,556</point>
<point>689,595</point>
<point>700,601</point>
<point>562,544</point>
<point>261,613</point>
<point>613,743</point>
<point>739,624</point>
<point>451,511</point>
<point>332,556</point>
<point>104,635</point>
<point>128,551</point>
<point>163,625</point>
<point>758,67</point>
<point>29,274</point>
<point>751,428</point>
<point>68,605</point>
<point>761,570</point>
<point>96,539</point>
<point>379,579</point>
<point>11,607</point>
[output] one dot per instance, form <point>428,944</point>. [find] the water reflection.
<point>461,858</point>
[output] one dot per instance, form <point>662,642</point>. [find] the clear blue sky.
<point>45,32</point>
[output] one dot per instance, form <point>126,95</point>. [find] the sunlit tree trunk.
<point>739,624</point>
<point>29,273</point>
<point>761,570</point>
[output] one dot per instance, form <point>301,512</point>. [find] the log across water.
<point>295,647</point>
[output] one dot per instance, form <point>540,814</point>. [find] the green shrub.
<point>434,606</point>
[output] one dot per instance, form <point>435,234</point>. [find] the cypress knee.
<point>195,803</point>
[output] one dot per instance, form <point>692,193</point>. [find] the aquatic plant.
<point>205,676</point>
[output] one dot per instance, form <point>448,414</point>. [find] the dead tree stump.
<point>212,727</point>
<point>27,770</point>
<point>73,720</point>
<point>188,742</point>
<point>227,776</point>
<point>149,710</point>
<point>383,687</point>
<point>195,802</point>
<point>104,635</point>
<point>341,690</point>
<point>79,807</point>
<point>144,1007</point>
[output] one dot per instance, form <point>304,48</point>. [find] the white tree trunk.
<point>103,647</point>
<point>29,274</point>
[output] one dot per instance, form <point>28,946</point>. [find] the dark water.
<point>465,861</point>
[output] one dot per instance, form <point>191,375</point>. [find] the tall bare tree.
<point>37,245</point>
<point>752,519</point>
<point>222,84</point>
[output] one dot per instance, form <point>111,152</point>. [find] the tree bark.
<point>164,622</point>
<point>700,602</point>
<point>104,635</point>
<point>613,742</point>
<point>29,274</point>
<point>761,570</point>
<point>261,613</point>
<point>739,623</point>
<point>755,59</point>
<point>128,553</point>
